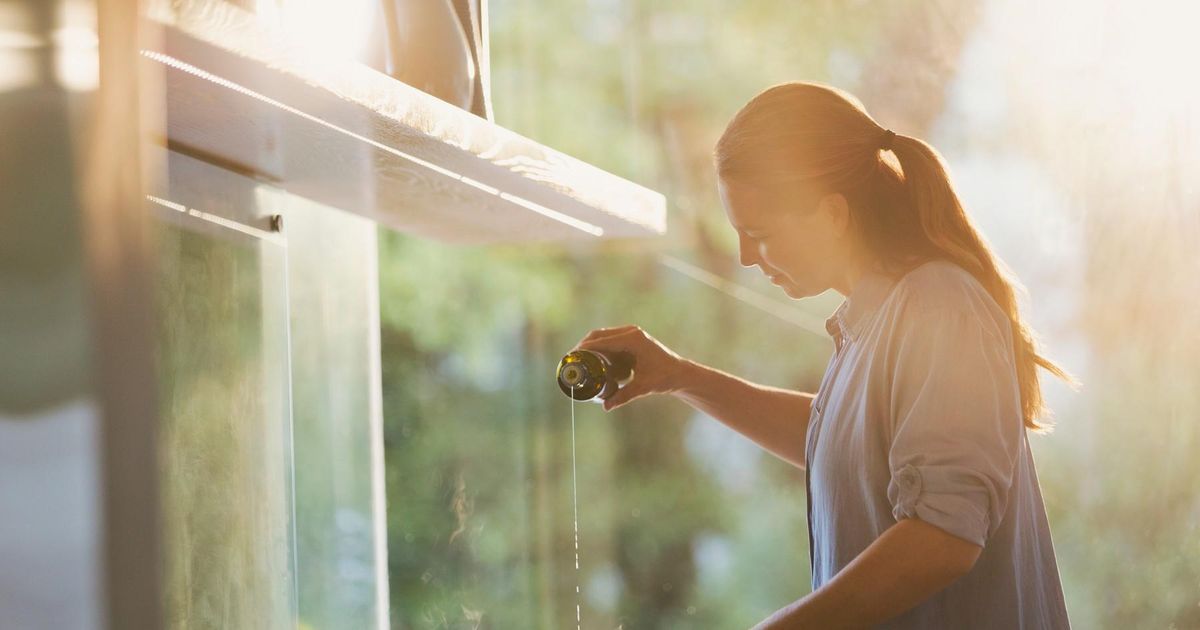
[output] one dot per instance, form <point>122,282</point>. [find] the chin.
<point>794,292</point>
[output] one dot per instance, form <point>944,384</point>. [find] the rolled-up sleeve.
<point>956,424</point>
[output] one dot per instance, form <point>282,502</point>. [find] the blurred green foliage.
<point>682,523</point>
<point>675,532</point>
<point>226,475</point>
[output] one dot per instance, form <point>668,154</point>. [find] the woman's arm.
<point>907,564</point>
<point>775,419</point>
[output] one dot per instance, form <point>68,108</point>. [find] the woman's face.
<point>798,245</point>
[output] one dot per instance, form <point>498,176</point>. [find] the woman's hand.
<point>656,368</point>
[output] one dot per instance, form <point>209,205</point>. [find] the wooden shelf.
<point>242,95</point>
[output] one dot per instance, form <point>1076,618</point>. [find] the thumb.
<point>622,396</point>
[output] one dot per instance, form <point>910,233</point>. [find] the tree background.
<point>1070,137</point>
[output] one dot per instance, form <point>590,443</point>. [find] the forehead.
<point>747,206</point>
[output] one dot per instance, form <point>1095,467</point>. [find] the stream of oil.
<point>575,500</point>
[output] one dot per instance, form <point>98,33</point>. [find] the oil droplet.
<point>575,501</point>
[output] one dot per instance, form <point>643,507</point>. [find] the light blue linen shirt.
<point>918,415</point>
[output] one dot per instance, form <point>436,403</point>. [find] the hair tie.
<point>888,137</point>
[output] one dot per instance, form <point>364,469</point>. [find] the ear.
<point>836,210</point>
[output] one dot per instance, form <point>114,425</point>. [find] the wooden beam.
<point>348,136</point>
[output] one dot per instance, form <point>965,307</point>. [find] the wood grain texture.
<point>346,135</point>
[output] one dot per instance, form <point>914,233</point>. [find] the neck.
<point>853,272</point>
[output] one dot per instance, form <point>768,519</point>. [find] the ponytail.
<point>903,204</point>
<point>951,232</point>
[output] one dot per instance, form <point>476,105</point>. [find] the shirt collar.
<point>865,298</point>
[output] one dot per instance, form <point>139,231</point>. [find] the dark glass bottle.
<point>594,376</point>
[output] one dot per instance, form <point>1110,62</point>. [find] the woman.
<point>924,505</point>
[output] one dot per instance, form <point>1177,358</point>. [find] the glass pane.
<point>1070,130</point>
<point>682,523</point>
<point>226,461</point>
<point>334,319</point>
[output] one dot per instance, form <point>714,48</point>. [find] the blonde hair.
<point>905,207</point>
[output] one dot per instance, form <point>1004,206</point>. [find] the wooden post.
<point>78,417</point>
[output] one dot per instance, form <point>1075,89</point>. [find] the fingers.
<point>601,333</point>
<point>603,337</point>
<point>613,342</point>
<point>606,345</point>
<point>622,396</point>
